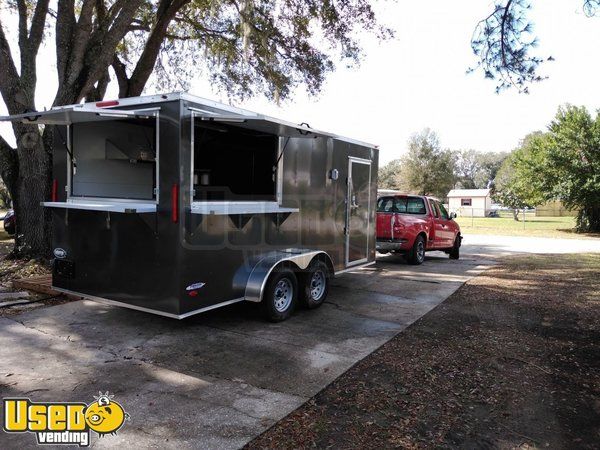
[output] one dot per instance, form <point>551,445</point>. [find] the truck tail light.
<point>54,190</point>
<point>175,203</point>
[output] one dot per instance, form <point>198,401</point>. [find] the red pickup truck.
<point>414,224</point>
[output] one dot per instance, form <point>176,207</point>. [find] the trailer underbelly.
<point>110,302</point>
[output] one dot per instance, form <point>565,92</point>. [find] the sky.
<point>418,79</point>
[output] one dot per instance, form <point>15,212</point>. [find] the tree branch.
<point>30,47</point>
<point>98,92</point>
<point>166,11</point>
<point>80,39</point>
<point>503,31</point>
<point>103,45</point>
<point>65,22</point>
<point>8,166</point>
<point>38,22</point>
<point>121,74</point>
<point>9,77</point>
<point>22,8</point>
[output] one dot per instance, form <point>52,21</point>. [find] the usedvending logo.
<point>64,423</point>
<point>193,287</point>
<point>60,253</point>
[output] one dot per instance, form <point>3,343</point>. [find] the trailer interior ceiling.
<point>115,159</point>
<point>233,163</point>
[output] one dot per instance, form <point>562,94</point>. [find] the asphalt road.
<point>219,379</point>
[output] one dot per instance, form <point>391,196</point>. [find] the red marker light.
<point>175,203</point>
<point>54,190</point>
<point>193,293</point>
<point>107,103</point>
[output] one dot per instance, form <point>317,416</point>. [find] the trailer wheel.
<point>314,284</point>
<point>281,292</point>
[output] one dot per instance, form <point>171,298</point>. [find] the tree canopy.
<point>426,168</point>
<point>515,185</point>
<point>477,170</point>
<point>245,47</point>
<point>560,164</point>
<point>504,43</point>
<point>388,175</point>
<point>465,169</point>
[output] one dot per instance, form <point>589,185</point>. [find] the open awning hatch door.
<point>69,115</point>
<point>265,125</point>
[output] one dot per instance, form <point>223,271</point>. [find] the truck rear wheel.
<point>416,254</point>
<point>314,284</point>
<point>280,296</point>
<point>455,250</point>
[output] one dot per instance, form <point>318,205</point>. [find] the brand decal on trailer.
<point>193,287</point>
<point>60,253</point>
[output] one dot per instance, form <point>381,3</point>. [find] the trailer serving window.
<point>233,163</point>
<point>236,162</point>
<point>114,159</point>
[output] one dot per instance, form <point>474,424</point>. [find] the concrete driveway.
<point>219,379</point>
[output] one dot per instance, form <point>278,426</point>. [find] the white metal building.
<point>470,202</point>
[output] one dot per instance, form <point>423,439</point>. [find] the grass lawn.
<point>510,360</point>
<point>552,227</point>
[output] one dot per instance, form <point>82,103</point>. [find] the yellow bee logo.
<point>104,415</point>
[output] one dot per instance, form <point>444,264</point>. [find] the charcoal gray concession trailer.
<point>175,205</point>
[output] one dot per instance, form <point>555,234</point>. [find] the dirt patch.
<point>512,359</point>
<point>14,269</point>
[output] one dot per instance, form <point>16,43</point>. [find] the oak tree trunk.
<point>32,187</point>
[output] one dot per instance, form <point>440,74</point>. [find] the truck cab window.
<point>415,205</point>
<point>402,205</point>
<point>385,204</point>
<point>433,208</point>
<point>443,211</point>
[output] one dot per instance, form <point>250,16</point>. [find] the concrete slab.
<point>219,379</point>
<point>13,295</point>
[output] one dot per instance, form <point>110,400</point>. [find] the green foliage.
<point>561,164</point>
<point>504,43</point>
<point>515,185</point>
<point>426,168</point>
<point>250,47</point>
<point>388,175</point>
<point>477,170</point>
<point>572,164</point>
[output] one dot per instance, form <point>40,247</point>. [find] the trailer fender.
<point>257,280</point>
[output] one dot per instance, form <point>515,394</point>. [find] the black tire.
<point>275,305</point>
<point>10,229</point>
<point>416,255</point>
<point>314,284</point>
<point>455,250</point>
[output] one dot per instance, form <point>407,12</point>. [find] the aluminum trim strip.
<point>232,207</point>
<point>353,268</point>
<point>127,207</point>
<point>147,310</point>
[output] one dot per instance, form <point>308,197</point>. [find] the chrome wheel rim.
<point>317,285</point>
<point>420,251</point>
<point>283,294</point>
